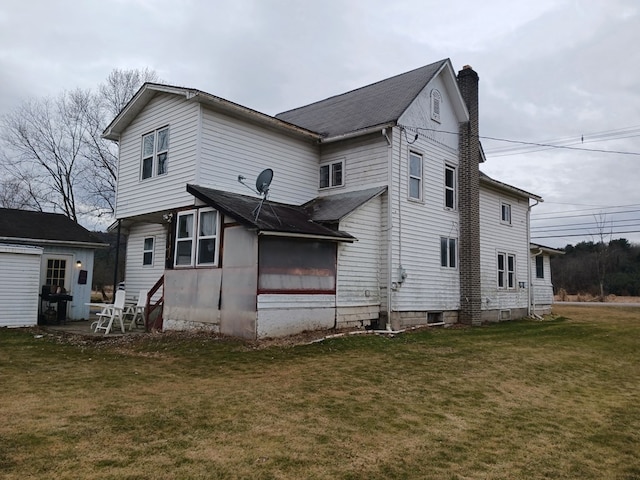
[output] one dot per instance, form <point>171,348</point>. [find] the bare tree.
<point>45,139</point>
<point>15,193</point>
<point>102,155</point>
<point>602,251</point>
<point>54,155</point>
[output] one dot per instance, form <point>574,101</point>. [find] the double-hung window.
<point>450,187</point>
<point>155,150</point>
<point>332,174</point>
<point>147,251</point>
<point>448,252</point>
<point>197,238</point>
<point>506,271</point>
<point>415,176</point>
<point>505,213</point>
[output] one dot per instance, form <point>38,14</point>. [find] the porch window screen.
<point>296,266</point>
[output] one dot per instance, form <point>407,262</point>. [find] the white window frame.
<point>195,238</point>
<point>412,177</point>
<point>450,188</point>
<point>507,274</point>
<point>202,236</point>
<point>331,171</point>
<point>155,155</point>
<point>148,251</point>
<point>506,213</point>
<point>539,268</point>
<point>448,252</point>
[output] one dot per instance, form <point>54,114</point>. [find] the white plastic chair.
<point>109,313</point>
<point>137,311</point>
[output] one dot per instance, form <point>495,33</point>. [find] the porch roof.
<point>274,218</point>
<point>333,208</point>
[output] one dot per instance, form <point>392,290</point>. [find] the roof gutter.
<point>357,133</point>
<point>36,242</point>
<point>305,235</point>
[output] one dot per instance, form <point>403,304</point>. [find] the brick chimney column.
<point>469,202</point>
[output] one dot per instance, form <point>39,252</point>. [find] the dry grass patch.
<point>552,399</point>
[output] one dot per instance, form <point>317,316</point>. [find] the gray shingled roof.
<point>274,217</point>
<point>24,226</point>
<point>332,208</point>
<point>380,103</point>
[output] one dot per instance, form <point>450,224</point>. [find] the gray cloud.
<point>553,69</point>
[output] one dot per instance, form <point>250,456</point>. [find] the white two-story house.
<point>376,213</point>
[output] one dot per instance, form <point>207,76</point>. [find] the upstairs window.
<point>415,176</point>
<point>505,213</point>
<point>147,251</point>
<point>448,252</point>
<point>155,149</point>
<point>506,271</point>
<point>332,174</point>
<point>450,187</point>
<point>197,238</point>
<point>436,102</point>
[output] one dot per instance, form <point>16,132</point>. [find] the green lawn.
<point>557,399</point>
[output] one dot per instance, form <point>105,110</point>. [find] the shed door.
<point>56,271</point>
<point>19,276</point>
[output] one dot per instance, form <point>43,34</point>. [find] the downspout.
<point>389,222</point>
<point>115,270</point>
<point>529,269</point>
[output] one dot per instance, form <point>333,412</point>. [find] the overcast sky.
<point>555,72</point>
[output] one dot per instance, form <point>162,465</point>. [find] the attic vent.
<point>436,100</point>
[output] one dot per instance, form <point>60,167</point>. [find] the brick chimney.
<point>469,202</point>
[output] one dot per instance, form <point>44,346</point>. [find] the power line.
<point>564,229</point>
<point>588,225</point>
<point>581,235</point>
<point>580,215</point>
<point>520,142</point>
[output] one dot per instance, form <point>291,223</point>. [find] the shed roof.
<point>380,103</point>
<point>30,227</point>
<point>274,218</point>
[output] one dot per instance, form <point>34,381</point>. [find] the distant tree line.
<point>598,268</point>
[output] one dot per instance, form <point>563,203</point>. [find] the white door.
<point>56,271</point>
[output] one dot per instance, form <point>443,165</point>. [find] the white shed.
<point>19,285</point>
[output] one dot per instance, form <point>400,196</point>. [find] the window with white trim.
<point>539,266</point>
<point>450,187</point>
<point>332,174</point>
<point>197,238</point>
<point>506,271</point>
<point>147,251</point>
<point>448,252</point>
<point>415,175</point>
<point>155,150</point>
<point>505,213</point>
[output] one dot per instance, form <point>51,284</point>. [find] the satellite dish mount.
<point>263,182</point>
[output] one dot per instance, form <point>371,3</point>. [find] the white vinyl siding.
<point>19,285</point>
<point>138,276</point>
<point>365,162</point>
<point>359,279</point>
<point>417,228</point>
<point>159,192</point>
<point>509,239</point>
<point>231,147</point>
